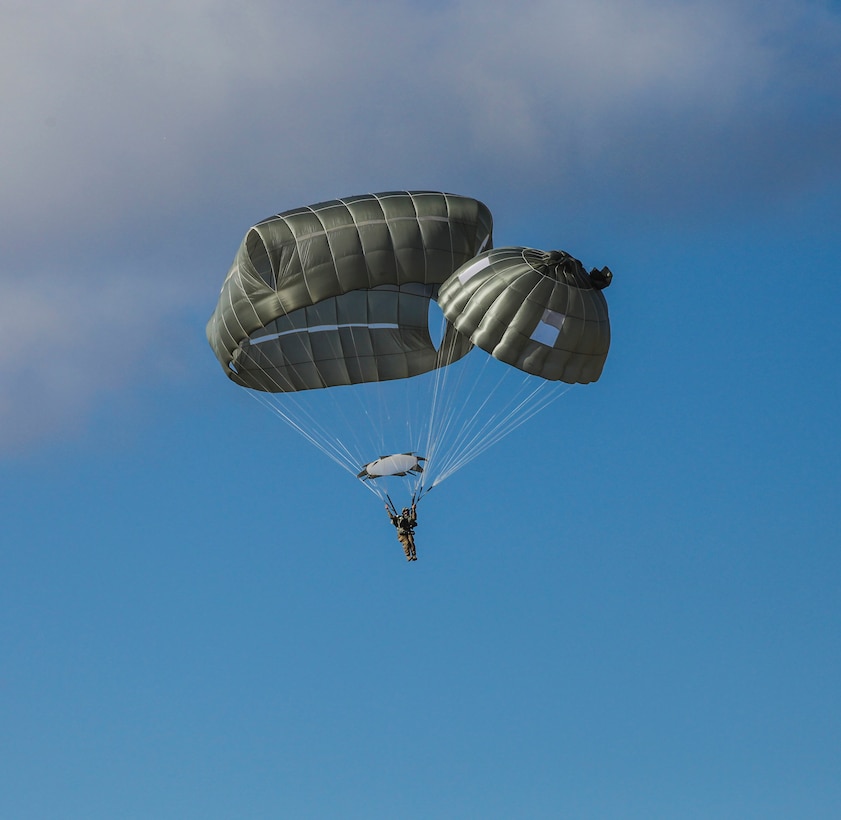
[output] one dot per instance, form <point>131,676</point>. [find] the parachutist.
<point>405,523</point>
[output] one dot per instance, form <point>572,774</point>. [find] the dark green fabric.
<point>534,310</point>
<point>363,269</point>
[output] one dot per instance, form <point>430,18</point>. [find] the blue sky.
<point>628,608</point>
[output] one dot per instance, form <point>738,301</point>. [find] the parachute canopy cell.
<point>538,311</point>
<point>338,293</point>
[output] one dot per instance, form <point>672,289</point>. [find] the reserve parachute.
<point>330,315</point>
<point>539,312</point>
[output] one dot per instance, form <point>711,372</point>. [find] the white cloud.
<point>64,342</point>
<point>120,108</point>
<point>122,120</point>
<point>678,91</point>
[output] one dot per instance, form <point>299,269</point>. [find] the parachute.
<point>356,319</point>
<point>399,464</point>
<point>537,311</point>
<point>338,293</point>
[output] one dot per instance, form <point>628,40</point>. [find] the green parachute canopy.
<point>537,311</point>
<point>338,293</point>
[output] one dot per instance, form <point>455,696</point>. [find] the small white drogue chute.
<point>399,464</point>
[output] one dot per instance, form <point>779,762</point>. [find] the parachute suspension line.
<point>440,377</point>
<point>472,438</point>
<point>290,406</point>
<point>473,420</point>
<point>519,410</point>
<point>304,423</point>
<point>529,406</point>
<point>392,409</point>
<point>385,407</point>
<point>361,444</point>
<point>335,452</point>
<point>491,433</point>
<point>263,398</point>
<point>454,427</point>
<point>378,491</point>
<point>329,445</point>
<point>445,398</point>
<point>454,394</point>
<point>476,435</point>
<point>344,399</point>
<point>533,402</point>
